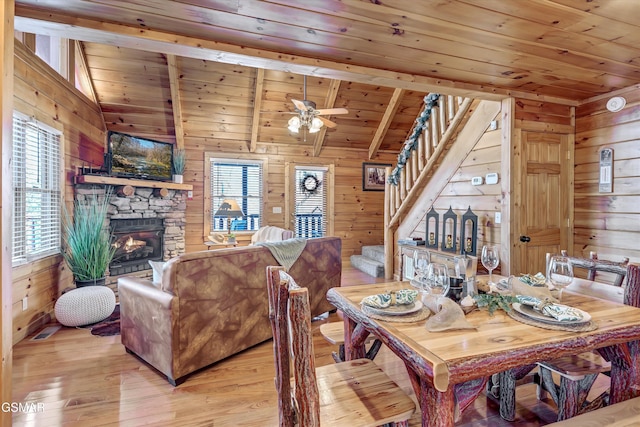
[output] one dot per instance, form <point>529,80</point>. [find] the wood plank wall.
<point>358,214</point>
<point>44,95</point>
<point>608,223</point>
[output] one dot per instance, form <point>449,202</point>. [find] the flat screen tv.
<point>133,157</point>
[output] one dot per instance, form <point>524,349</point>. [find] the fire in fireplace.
<point>137,241</point>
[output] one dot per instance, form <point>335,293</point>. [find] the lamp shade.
<point>229,208</point>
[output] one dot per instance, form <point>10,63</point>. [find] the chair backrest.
<point>290,318</point>
<point>593,265</point>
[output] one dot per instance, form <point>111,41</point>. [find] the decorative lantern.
<point>449,231</point>
<point>469,233</point>
<point>431,237</point>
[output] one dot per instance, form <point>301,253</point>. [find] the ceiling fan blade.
<point>328,123</point>
<point>333,111</point>
<point>299,105</point>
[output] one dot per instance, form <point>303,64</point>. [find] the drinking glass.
<point>490,259</point>
<point>420,265</point>
<point>560,273</point>
<point>437,280</point>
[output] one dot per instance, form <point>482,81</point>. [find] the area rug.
<point>109,326</point>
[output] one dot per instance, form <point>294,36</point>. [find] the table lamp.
<point>229,208</point>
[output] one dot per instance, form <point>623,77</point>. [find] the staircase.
<point>371,261</point>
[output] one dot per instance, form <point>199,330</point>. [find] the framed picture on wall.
<point>373,176</point>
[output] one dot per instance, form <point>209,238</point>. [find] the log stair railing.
<point>441,128</point>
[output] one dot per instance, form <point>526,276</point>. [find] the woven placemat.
<point>419,315</point>
<point>582,327</point>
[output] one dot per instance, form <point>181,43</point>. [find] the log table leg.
<point>354,339</point>
<point>625,372</point>
<point>507,390</point>
<point>438,408</point>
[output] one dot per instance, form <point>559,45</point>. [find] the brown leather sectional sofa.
<point>213,304</point>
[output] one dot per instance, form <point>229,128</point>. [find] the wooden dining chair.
<point>578,372</point>
<point>353,393</point>
<point>594,266</point>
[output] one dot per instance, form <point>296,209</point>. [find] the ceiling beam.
<point>385,122</point>
<point>85,76</point>
<point>329,102</point>
<point>257,106</point>
<point>162,42</point>
<point>174,84</point>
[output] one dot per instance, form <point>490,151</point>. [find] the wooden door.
<point>543,198</point>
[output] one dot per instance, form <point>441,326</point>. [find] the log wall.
<point>608,223</point>
<point>44,95</point>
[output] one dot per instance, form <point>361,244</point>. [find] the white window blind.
<point>37,190</point>
<point>311,206</point>
<point>240,180</point>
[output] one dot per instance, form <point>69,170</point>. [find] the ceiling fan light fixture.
<point>316,125</point>
<point>294,124</point>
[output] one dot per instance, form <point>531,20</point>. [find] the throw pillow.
<point>156,266</point>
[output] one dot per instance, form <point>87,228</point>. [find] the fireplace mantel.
<point>110,180</point>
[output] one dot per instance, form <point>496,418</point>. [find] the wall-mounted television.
<point>142,158</point>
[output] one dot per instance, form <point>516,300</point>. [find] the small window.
<point>37,190</point>
<point>239,181</point>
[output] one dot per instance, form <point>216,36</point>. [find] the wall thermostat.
<point>492,178</point>
<point>476,180</point>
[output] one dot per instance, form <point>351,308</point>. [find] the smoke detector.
<point>616,104</point>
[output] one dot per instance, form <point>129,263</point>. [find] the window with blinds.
<point>37,190</point>
<point>310,202</point>
<point>241,181</point>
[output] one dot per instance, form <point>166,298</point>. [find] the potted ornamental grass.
<point>87,247</point>
<point>179,161</point>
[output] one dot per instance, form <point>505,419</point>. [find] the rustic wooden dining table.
<point>447,368</point>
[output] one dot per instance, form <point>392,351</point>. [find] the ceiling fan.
<point>309,117</point>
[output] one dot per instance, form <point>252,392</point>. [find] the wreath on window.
<point>309,184</point>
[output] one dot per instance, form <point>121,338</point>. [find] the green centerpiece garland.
<point>493,302</point>
<point>411,143</point>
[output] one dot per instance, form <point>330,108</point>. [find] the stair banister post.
<point>388,231</point>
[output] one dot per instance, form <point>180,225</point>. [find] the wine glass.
<point>437,280</point>
<point>490,259</point>
<point>420,265</point>
<point>560,273</point>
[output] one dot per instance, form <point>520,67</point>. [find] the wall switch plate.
<point>190,195</point>
<point>476,180</point>
<point>493,125</point>
<point>492,178</point>
<point>498,218</point>
<point>277,209</point>
<point>25,305</point>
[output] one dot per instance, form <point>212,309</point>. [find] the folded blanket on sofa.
<point>286,252</point>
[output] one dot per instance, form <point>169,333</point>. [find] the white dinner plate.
<point>534,314</point>
<point>396,310</point>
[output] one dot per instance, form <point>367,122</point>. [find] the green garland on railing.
<point>411,143</point>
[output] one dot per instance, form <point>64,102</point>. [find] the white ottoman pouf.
<point>83,306</point>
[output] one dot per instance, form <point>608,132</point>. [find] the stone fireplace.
<point>148,223</point>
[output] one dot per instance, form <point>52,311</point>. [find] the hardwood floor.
<point>83,380</point>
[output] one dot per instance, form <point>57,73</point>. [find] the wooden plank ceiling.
<point>235,65</point>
